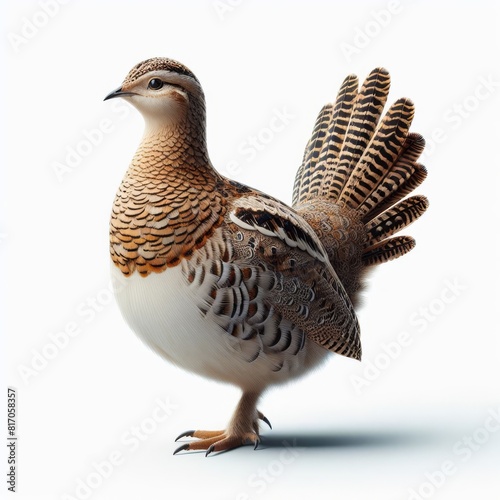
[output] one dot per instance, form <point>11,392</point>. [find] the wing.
<point>301,284</point>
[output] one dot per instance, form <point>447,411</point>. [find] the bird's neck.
<point>176,146</point>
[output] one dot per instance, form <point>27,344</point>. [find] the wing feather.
<point>305,289</point>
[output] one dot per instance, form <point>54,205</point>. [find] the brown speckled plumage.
<point>231,283</point>
<point>154,64</point>
<point>162,211</point>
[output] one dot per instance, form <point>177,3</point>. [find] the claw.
<point>264,419</point>
<point>184,434</point>
<point>181,448</point>
<point>256,443</point>
<point>210,450</point>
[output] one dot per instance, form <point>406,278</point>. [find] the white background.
<point>381,440</point>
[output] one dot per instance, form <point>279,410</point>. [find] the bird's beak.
<point>115,93</point>
<point>118,93</point>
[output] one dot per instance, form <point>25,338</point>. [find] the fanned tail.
<point>366,164</point>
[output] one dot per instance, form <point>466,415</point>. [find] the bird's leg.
<point>242,429</point>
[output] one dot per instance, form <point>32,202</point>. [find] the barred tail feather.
<point>386,250</point>
<point>394,219</point>
<point>365,116</point>
<point>413,147</point>
<point>417,177</point>
<point>303,176</point>
<point>326,142</point>
<point>378,173</point>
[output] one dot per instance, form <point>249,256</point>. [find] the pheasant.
<point>232,284</point>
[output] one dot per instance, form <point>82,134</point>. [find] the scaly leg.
<point>243,428</point>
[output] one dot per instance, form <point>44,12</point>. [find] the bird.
<point>230,283</point>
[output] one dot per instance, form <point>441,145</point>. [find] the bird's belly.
<point>163,310</point>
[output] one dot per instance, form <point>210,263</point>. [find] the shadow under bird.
<point>232,284</point>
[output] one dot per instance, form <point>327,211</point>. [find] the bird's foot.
<point>223,440</point>
<point>213,441</point>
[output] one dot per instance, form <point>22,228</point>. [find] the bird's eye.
<point>155,84</point>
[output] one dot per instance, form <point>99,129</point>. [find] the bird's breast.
<point>158,220</point>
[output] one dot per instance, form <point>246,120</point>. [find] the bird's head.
<point>164,91</point>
